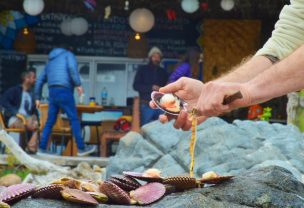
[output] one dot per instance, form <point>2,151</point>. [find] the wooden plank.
<point>66,161</point>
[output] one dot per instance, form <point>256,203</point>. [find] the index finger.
<point>172,87</point>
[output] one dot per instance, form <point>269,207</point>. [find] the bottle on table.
<point>104,96</point>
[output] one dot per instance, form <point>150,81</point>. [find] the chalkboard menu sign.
<point>12,64</point>
<point>110,37</point>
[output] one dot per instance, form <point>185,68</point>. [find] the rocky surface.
<point>271,186</point>
<point>221,147</point>
<point>10,179</point>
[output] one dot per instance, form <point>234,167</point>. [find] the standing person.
<point>150,78</point>
<point>18,103</point>
<point>61,74</point>
<point>187,65</point>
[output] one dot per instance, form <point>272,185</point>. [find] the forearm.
<point>280,79</point>
<point>247,71</point>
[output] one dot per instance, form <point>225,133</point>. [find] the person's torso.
<point>26,104</point>
<point>57,71</point>
<point>153,75</point>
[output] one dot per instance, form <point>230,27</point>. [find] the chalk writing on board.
<point>110,37</point>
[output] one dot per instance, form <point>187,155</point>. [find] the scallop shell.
<point>127,184</point>
<point>115,194</point>
<point>51,191</point>
<point>148,193</point>
<point>16,192</point>
<point>78,196</point>
<point>141,177</point>
<point>100,197</point>
<point>68,182</point>
<point>181,182</point>
<point>216,180</point>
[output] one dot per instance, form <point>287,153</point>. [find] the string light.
<point>137,36</point>
<point>126,5</point>
<point>25,31</point>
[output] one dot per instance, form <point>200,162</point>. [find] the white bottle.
<point>104,96</point>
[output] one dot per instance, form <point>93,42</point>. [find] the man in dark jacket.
<point>150,78</point>
<point>18,102</point>
<point>61,74</point>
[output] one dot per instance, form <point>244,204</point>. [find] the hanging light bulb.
<point>126,5</point>
<point>25,31</point>
<point>137,36</point>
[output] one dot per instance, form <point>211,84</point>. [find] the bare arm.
<point>247,71</point>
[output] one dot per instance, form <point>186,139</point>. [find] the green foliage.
<point>266,114</point>
<point>19,170</point>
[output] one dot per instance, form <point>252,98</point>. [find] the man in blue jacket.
<point>61,73</point>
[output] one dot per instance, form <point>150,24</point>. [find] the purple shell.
<point>149,193</point>
<point>51,191</point>
<point>141,177</point>
<point>16,192</point>
<point>115,194</point>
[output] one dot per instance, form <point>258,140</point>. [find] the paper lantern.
<point>33,7</point>
<point>65,27</point>
<point>190,6</point>
<point>79,26</point>
<point>227,5</point>
<point>141,20</point>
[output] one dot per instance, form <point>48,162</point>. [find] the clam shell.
<point>216,180</point>
<point>52,191</point>
<point>16,192</point>
<point>115,194</point>
<point>129,180</point>
<point>78,196</point>
<point>124,182</point>
<point>100,197</point>
<point>68,182</point>
<point>156,96</point>
<point>148,193</point>
<point>141,177</point>
<point>181,182</point>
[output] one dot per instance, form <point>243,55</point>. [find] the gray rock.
<point>222,147</point>
<point>265,187</point>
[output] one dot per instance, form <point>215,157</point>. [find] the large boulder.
<point>222,147</point>
<point>264,187</point>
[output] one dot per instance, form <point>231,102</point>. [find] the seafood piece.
<point>115,194</point>
<point>78,196</point>
<point>141,177</point>
<point>168,102</point>
<point>52,191</point>
<point>123,185</point>
<point>4,205</point>
<point>148,193</point>
<point>169,189</point>
<point>100,197</point>
<point>213,178</point>
<point>181,182</point>
<point>152,172</point>
<point>16,192</point>
<point>89,186</point>
<point>68,182</point>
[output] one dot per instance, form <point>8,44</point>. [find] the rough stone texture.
<point>221,147</point>
<point>271,186</point>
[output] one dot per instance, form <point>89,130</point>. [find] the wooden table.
<point>71,148</point>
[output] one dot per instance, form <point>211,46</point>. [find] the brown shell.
<point>140,176</point>
<point>216,180</point>
<point>115,194</point>
<point>181,182</point>
<point>125,179</point>
<point>148,193</point>
<point>16,192</point>
<point>51,191</point>
<point>68,182</point>
<point>78,196</point>
<point>88,187</point>
<point>100,197</point>
<point>169,189</point>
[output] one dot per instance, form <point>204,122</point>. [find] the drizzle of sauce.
<point>193,139</point>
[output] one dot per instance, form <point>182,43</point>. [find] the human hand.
<point>37,103</point>
<point>155,87</point>
<point>187,89</point>
<point>213,94</point>
<point>80,90</point>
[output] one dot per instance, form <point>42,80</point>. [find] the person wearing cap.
<point>150,78</point>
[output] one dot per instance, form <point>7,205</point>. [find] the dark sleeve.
<point>138,84</point>
<point>165,78</point>
<point>7,102</point>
